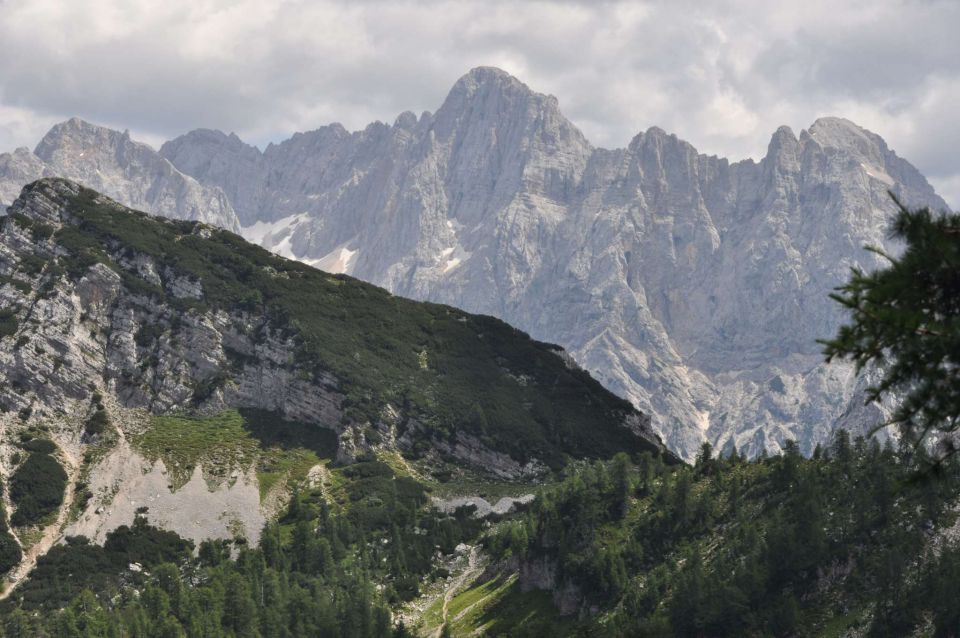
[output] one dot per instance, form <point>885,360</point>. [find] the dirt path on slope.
<point>472,570</point>
<point>51,533</point>
<point>319,477</point>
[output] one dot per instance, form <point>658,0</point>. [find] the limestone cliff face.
<point>66,342</point>
<point>688,284</point>
<point>110,162</point>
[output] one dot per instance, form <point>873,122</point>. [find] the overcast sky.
<point>723,77</point>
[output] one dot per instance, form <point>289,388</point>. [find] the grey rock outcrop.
<point>110,162</point>
<point>124,481</point>
<point>541,573</point>
<point>691,285</point>
<point>481,506</point>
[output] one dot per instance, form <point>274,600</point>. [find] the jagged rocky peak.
<point>868,152</point>
<point>224,160</point>
<point>666,158</point>
<point>493,129</point>
<point>206,146</point>
<point>76,136</point>
<point>489,99</point>
<point>783,146</point>
<point>203,138</point>
<point>655,135</point>
<point>406,120</point>
<point>783,135</point>
<point>91,154</point>
<point>653,142</point>
<point>111,162</point>
<point>842,134</point>
<point>487,82</point>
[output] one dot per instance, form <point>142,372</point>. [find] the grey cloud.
<point>887,58</point>
<point>723,75</point>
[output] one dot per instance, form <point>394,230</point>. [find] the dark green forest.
<point>781,546</point>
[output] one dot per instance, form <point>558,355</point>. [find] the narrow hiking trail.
<point>471,571</point>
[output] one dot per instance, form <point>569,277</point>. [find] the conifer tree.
<point>906,317</point>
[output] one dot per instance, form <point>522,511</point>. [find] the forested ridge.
<point>854,537</point>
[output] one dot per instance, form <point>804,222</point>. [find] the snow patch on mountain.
<point>338,261</point>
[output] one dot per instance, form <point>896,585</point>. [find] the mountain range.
<point>693,286</point>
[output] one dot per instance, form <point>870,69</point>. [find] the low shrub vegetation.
<point>37,486</point>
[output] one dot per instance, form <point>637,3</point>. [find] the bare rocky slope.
<point>111,319</point>
<point>693,286</point>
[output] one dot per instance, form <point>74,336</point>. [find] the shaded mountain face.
<point>169,316</point>
<point>691,285</point>
<point>112,163</point>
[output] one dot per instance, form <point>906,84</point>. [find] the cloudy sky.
<point>720,74</point>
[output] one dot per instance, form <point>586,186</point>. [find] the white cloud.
<point>723,75</point>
